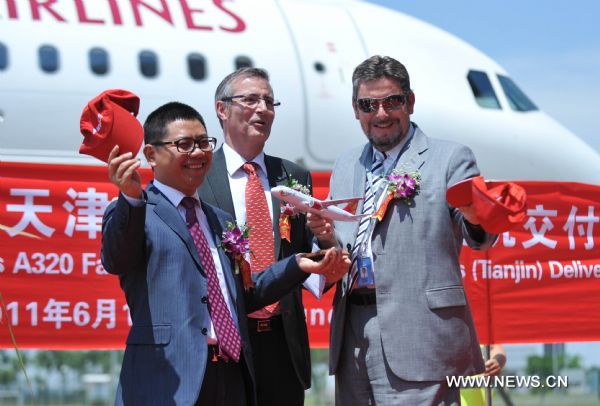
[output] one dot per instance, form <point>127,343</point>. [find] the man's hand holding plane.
<point>319,218</point>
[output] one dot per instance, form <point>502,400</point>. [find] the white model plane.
<point>304,203</point>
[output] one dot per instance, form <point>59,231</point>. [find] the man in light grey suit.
<point>402,323</point>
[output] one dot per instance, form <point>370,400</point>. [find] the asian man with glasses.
<point>189,342</point>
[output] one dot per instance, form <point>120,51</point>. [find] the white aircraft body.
<point>303,203</point>
<point>57,55</point>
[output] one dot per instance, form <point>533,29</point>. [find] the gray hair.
<point>378,67</point>
<point>224,88</point>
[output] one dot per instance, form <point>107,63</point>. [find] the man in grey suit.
<point>401,323</point>
<point>246,109</point>
<point>188,342</point>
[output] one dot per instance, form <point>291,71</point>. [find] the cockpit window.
<point>517,100</point>
<point>98,61</point>
<point>483,90</point>
<point>148,64</point>
<point>3,57</point>
<point>48,56</point>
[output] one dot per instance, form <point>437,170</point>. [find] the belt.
<point>363,298</point>
<point>264,325</point>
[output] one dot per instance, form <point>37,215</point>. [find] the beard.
<point>385,143</point>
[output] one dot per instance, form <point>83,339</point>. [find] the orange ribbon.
<point>383,208</point>
<point>246,272</point>
<point>285,227</point>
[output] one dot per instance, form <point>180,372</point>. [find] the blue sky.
<point>550,48</point>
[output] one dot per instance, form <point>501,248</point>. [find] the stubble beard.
<point>385,144</point>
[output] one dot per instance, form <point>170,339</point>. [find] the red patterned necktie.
<point>258,217</point>
<point>228,337</point>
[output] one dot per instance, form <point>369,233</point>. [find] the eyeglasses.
<point>188,145</point>
<point>252,100</point>
<point>393,102</point>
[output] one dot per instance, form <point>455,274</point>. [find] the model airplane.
<point>303,203</point>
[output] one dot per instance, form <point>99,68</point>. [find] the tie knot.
<point>249,168</point>
<point>188,202</point>
<point>380,156</point>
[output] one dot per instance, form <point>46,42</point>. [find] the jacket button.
<point>204,330</point>
<point>204,299</point>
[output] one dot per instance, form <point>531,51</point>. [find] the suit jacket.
<point>161,274</point>
<point>216,190</point>
<point>427,331</point>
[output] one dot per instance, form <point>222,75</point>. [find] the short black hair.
<point>155,127</point>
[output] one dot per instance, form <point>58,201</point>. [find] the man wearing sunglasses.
<point>246,109</point>
<point>188,343</point>
<point>401,324</point>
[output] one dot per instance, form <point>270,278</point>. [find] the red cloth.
<point>500,206</point>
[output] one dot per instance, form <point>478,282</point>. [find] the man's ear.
<point>411,102</point>
<point>355,109</point>
<point>150,154</point>
<point>222,109</point>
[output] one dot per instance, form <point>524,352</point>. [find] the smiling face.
<point>182,171</point>
<point>385,128</point>
<point>247,129</point>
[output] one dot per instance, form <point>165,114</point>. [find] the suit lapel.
<point>360,175</point>
<point>216,226</point>
<point>277,175</point>
<point>412,158</point>
<point>168,213</point>
<point>218,180</point>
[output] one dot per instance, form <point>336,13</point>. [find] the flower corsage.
<point>235,242</point>
<point>287,211</point>
<point>402,185</point>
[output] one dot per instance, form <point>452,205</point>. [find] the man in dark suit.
<point>401,326</point>
<point>189,341</point>
<point>246,109</point>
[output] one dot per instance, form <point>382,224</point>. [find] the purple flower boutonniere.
<point>236,244</point>
<point>402,185</point>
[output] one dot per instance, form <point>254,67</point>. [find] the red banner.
<point>540,283</point>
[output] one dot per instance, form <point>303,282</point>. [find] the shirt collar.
<point>234,161</point>
<point>172,194</point>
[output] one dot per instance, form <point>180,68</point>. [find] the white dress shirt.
<point>237,183</point>
<point>238,179</point>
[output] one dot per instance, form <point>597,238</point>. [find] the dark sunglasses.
<point>393,102</point>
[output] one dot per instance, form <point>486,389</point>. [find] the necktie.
<point>227,333</point>
<point>258,218</point>
<point>371,194</point>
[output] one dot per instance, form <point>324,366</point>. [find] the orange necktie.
<point>258,218</point>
